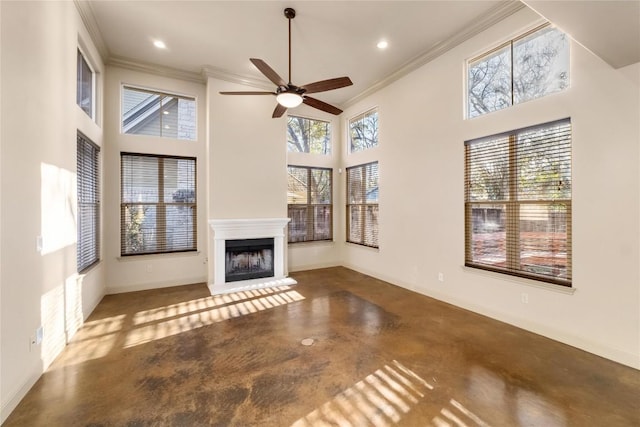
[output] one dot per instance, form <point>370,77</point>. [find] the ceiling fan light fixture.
<point>289,99</point>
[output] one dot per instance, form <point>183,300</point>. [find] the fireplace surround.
<point>250,241</point>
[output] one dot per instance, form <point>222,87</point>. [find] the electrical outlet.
<point>524,298</point>
<point>149,268</point>
<point>441,277</point>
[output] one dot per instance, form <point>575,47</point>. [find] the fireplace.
<point>247,254</point>
<point>247,259</point>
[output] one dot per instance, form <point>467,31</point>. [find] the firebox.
<point>247,259</point>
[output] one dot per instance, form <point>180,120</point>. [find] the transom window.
<point>310,207</point>
<point>531,66</point>
<point>158,206</point>
<point>518,203</point>
<point>308,135</point>
<point>85,84</point>
<point>362,204</point>
<point>146,112</point>
<point>88,182</point>
<point>363,131</point>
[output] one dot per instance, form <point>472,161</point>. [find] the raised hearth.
<point>247,254</point>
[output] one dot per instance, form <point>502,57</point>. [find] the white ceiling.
<point>330,38</point>
<point>610,29</point>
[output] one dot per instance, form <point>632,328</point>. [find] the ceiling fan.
<point>289,95</point>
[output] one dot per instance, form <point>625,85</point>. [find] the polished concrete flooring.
<point>381,356</point>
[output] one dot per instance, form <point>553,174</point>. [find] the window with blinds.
<point>518,203</point>
<point>158,204</point>
<point>146,112</point>
<point>362,204</point>
<point>309,198</point>
<point>88,182</point>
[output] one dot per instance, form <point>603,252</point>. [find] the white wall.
<point>132,273</point>
<point>310,255</point>
<point>247,157</point>
<point>40,120</point>
<point>421,218</point>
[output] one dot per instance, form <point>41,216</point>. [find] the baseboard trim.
<point>16,398</point>
<point>112,290</point>
<point>313,266</point>
<point>614,354</point>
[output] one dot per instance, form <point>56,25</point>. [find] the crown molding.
<point>85,10</point>
<point>243,79</point>
<point>160,70</point>
<point>493,16</point>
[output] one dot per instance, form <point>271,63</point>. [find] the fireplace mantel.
<point>254,228</point>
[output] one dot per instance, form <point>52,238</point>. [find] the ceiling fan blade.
<point>325,85</point>
<point>279,111</point>
<point>247,93</point>
<point>321,105</point>
<point>268,72</point>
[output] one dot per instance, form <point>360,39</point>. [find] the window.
<point>308,136</point>
<point>363,131</point>
<point>84,85</point>
<point>531,66</point>
<point>158,209</point>
<point>518,203</point>
<point>151,113</point>
<point>309,204</point>
<point>362,204</point>
<point>88,181</point>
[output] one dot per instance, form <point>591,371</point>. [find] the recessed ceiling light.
<point>382,44</point>
<point>159,44</point>
<point>165,112</point>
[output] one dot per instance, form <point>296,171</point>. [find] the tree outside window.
<point>308,135</point>
<point>529,67</point>
<point>363,131</point>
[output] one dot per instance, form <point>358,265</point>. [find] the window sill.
<point>310,242</point>
<point>162,255</point>
<point>360,245</point>
<point>521,280</point>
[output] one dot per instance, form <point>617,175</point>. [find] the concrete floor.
<point>382,356</point>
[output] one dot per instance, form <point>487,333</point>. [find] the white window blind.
<point>362,204</point>
<point>158,208</point>
<point>518,202</point>
<point>88,181</point>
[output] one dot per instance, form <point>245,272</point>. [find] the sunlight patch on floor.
<point>177,318</point>
<point>380,399</point>
<point>95,339</point>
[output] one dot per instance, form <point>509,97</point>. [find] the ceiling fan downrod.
<point>289,13</point>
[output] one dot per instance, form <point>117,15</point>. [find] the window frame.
<point>510,44</point>
<point>81,55</point>
<point>310,219</point>
<point>513,203</point>
<point>162,94</point>
<point>361,116</point>
<point>329,131</point>
<point>363,216</point>
<point>161,204</point>
<point>88,249</point>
